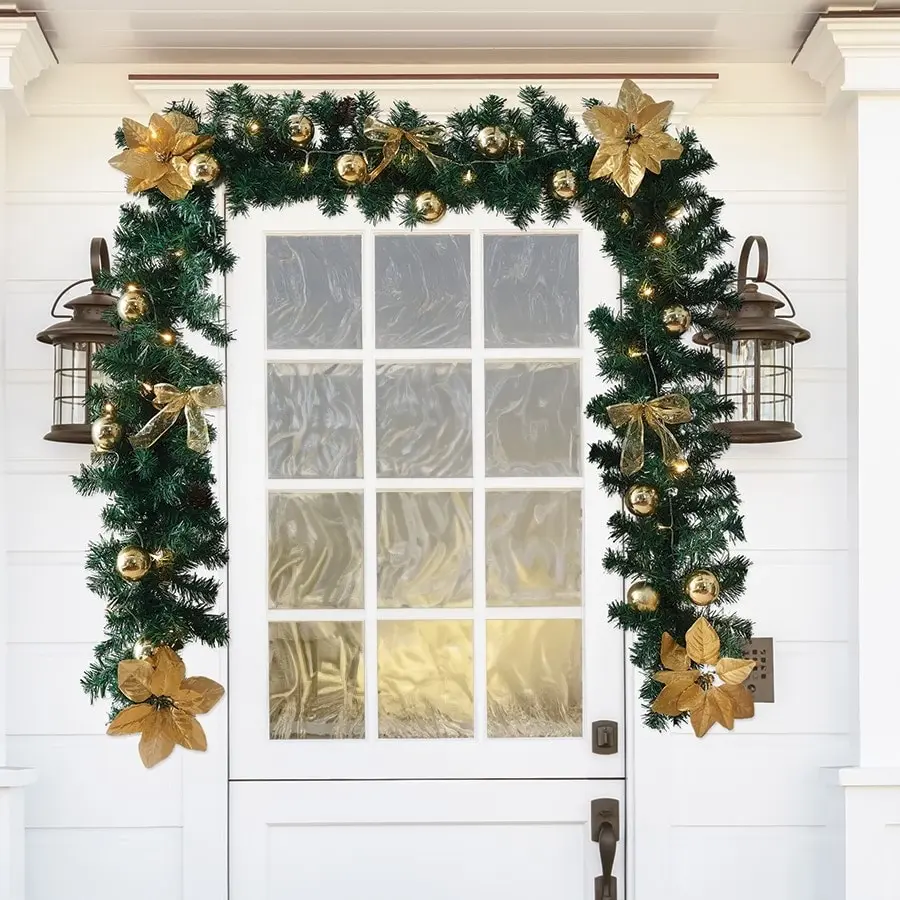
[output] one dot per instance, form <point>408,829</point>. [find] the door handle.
<point>605,833</point>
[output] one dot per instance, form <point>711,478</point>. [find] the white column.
<point>24,54</point>
<point>857,59</point>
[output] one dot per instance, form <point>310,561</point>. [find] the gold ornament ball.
<point>106,433</point>
<point>703,588</point>
<point>679,468</point>
<point>469,177</point>
<point>132,304</point>
<point>430,207</point>
<point>676,319</point>
<point>517,144</point>
<point>564,184</point>
<point>132,563</point>
<point>163,558</point>
<point>352,168</point>
<point>642,499</point>
<point>203,168</point>
<point>142,649</point>
<point>492,141</point>
<point>300,129</point>
<point>643,597</point>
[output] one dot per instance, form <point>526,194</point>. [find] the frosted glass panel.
<point>531,290</point>
<point>424,549</point>
<point>315,551</point>
<point>533,548</point>
<point>315,420</point>
<point>316,676</point>
<point>313,291</point>
<point>424,420</point>
<point>534,678</point>
<point>422,291</point>
<point>533,419</point>
<point>425,679</point>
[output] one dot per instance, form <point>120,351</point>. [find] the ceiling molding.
<point>851,54</point>
<point>24,54</point>
<point>437,97</point>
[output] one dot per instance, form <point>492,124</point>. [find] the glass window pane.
<point>424,420</point>
<point>316,676</point>
<point>315,551</point>
<point>424,549</point>
<point>315,420</point>
<point>533,548</point>
<point>314,291</point>
<point>534,678</point>
<point>422,291</point>
<point>533,419</point>
<point>531,290</point>
<point>425,679</point>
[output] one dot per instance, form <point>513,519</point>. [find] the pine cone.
<point>346,110</point>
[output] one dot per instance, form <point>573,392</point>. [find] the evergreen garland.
<point>160,497</point>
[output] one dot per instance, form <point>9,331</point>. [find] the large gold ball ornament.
<point>676,319</point>
<point>492,141</point>
<point>703,588</point>
<point>300,129</point>
<point>642,499</point>
<point>132,563</point>
<point>643,597</point>
<point>203,168</point>
<point>430,207</point>
<point>564,184</point>
<point>352,168</point>
<point>132,304</point>
<point>106,433</point>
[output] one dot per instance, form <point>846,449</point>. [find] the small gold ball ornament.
<point>679,468</point>
<point>492,141</point>
<point>676,319</point>
<point>469,177</point>
<point>517,144</point>
<point>142,649</point>
<point>132,305</point>
<point>164,558</point>
<point>643,597</point>
<point>203,168</point>
<point>106,433</point>
<point>300,129</point>
<point>642,499</point>
<point>352,168</point>
<point>430,207</point>
<point>703,588</point>
<point>564,184</point>
<point>132,563</point>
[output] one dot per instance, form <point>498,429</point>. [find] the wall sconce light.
<point>74,339</point>
<point>759,359</point>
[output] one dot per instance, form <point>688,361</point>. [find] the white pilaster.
<point>24,54</point>
<point>857,60</point>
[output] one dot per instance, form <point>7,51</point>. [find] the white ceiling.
<point>428,32</point>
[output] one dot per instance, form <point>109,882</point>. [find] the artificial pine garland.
<point>524,163</point>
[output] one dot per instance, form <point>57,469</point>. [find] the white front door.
<point>418,604</point>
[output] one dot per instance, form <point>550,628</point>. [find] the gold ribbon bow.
<point>670,409</point>
<point>170,401</point>
<point>392,137</point>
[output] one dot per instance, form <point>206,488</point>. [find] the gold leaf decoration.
<point>703,643</point>
<point>166,714</point>
<point>672,655</point>
<point>631,138</point>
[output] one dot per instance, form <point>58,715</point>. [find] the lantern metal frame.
<point>74,339</point>
<point>756,324</point>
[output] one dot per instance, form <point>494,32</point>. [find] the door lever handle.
<point>605,833</point>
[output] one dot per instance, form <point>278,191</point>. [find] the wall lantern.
<point>759,359</point>
<point>74,340</point>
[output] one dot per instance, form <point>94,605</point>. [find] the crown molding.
<point>24,54</point>
<point>853,54</point>
<point>435,96</point>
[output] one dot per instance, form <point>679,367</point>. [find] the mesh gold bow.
<point>171,401</point>
<point>670,409</point>
<point>392,137</point>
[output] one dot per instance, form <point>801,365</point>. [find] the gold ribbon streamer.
<point>170,401</point>
<point>670,409</point>
<point>392,137</point>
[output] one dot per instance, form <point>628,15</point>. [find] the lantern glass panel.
<point>72,379</point>
<point>740,377</point>
<point>775,381</point>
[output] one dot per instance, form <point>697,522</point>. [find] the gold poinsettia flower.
<point>631,137</point>
<point>165,705</point>
<point>157,156</point>
<point>700,681</point>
